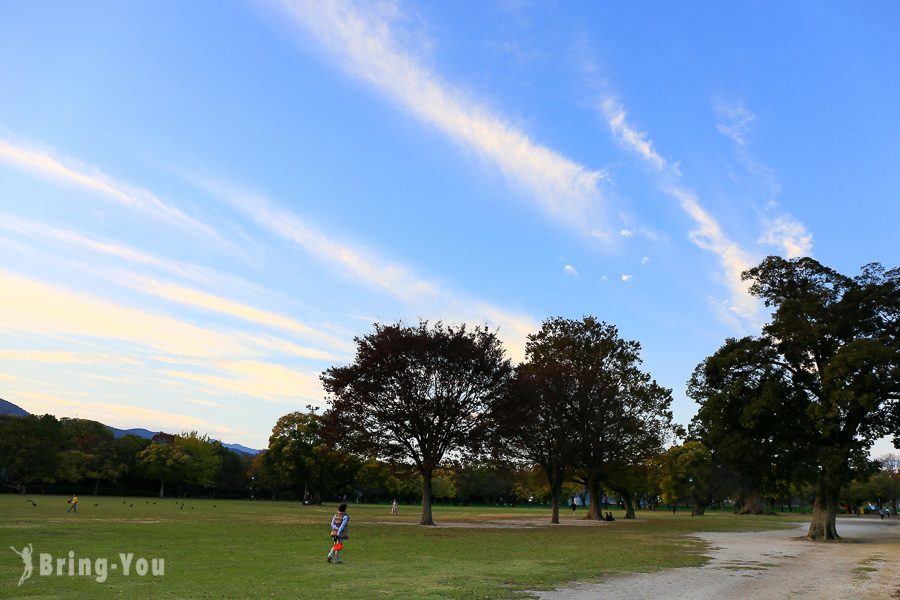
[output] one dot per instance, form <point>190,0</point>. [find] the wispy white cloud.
<point>734,260</point>
<point>632,139</point>
<point>570,270</point>
<point>76,358</point>
<point>32,306</point>
<point>645,260</point>
<point>213,303</point>
<point>204,402</point>
<point>781,230</point>
<point>43,232</point>
<point>627,277</point>
<point>427,298</point>
<point>267,381</point>
<point>788,234</point>
<point>706,233</point>
<point>358,263</point>
<point>626,233</point>
<point>362,39</point>
<point>77,173</point>
<point>735,121</point>
<point>221,362</point>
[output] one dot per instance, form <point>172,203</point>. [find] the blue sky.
<point>201,204</point>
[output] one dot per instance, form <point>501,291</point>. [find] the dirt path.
<point>771,564</point>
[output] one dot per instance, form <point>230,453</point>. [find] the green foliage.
<point>416,394</point>
<point>617,415</point>
<point>182,459</point>
<point>90,452</point>
<point>817,388</point>
<point>29,447</point>
<point>751,416</point>
<point>299,457</point>
<point>486,482</point>
<point>688,473</point>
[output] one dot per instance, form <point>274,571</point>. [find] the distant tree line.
<point>41,452</point>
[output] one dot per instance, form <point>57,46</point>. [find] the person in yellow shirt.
<point>73,502</point>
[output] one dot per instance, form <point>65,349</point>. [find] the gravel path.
<point>768,565</point>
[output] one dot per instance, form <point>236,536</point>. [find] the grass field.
<point>243,549</point>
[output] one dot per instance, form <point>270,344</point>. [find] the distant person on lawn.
<point>339,533</point>
<point>73,503</point>
<point>394,510</point>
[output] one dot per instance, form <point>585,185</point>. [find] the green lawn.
<point>242,549</point>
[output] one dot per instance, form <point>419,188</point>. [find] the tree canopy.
<point>617,414</point>
<point>299,456</point>
<point>822,382</point>
<point>534,423</point>
<point>751,417</point>
<point>417,394</point>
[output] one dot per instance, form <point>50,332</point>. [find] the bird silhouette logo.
<point>26,562</point>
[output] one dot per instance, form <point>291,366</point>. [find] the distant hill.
<point>141,433</point>
<point>242,449</point>
<point>8,408</point>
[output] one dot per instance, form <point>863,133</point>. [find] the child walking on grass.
<point>339,533</point>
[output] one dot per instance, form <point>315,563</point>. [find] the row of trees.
<point>71,454</point>
<point>45,450</point>
<point>300,463</point>
<point>802,403</point>
<point>579,407</point>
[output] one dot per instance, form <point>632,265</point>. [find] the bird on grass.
<point>214,506</point>
<point>96,505</point>
<point>32,502</point>
<point>131,506</point>
<point>181,507</point>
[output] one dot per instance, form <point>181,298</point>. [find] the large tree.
<point>417,394</point>
<point>535,423</point>
<point>619,416</point>
<point>89,452</point>
<point>299,456</point>
<point>181,459</point>
<point>837,340</point>
<point>751,418</point>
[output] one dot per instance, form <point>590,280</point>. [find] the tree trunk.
<point>162,488</point>
<point>593,485</point>
<point>698,507</point>
<point>427,519</point>
<point>753,504</point>
<point>555,493</point>
<point>96,487</point>
<point>823,528</point>
<point>628,501</point>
